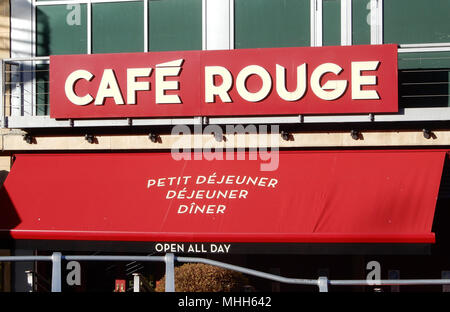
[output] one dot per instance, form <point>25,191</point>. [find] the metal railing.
<point>24,87</point>
<point>322,282</point>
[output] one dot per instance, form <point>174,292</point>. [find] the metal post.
<point>136,282</point>
<point>30,279</point>
<point>170,272</point>
<point>56,272</point>
<point>322,282</point>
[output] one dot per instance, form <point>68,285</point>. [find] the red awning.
<point>312,196</point>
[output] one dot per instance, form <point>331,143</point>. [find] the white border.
<point>146,27</point>
<point>346,22</point>
<point>204,25</point>
<point>376,21</point>
<point>316,23</point>
<point>231,25</point>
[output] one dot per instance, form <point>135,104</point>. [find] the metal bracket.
<point>322,282</point>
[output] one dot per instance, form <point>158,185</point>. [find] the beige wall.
<point>5,165</point>
<point>4,29</point>
<point>13,141</point>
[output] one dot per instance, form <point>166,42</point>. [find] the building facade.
<point>36,33</point>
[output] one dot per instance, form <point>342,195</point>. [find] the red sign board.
<point>274,81</point>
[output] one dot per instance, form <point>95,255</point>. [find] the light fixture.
<point>427,133</point>
<point>355,134</point>
<point>90,138</point>
<point>28,138</point>
<point>153,137</point>
<point>285,135</point>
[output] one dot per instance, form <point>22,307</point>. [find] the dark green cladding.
<point>175,25</point>
<point>61,29</point>
<point>331,21</point>
<point>416,21</point>
<point>118,27</point>
<point>271,23</point>
<point>360,21</point>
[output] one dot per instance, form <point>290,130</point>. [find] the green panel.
<point>331,21</point>
<point>416,21</point>
<point>175,25</point>
<point>118,27</point>
<point>271,23</point>
<point>361,21</point>
<point>42,98</point>
<point>61,29</point>
<point>424,60</point>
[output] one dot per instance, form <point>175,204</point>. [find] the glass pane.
<point>271,23</point>
<point>361,21</point>
<point>424,60</point>
<point>416,21</point>
<point>118,27</point>
<point>424,79</point>
<point>175,25</point>
<point>61,29</point>
<point>331,21</point>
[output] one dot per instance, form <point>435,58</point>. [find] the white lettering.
<point>133,85</point>
<point>281,83</point>
<point>169,69</point>
<point>222,90</point>
<point>337,87</point>
<point>108,88</point>
<point>358,80</point>
<point>70,86</point>
<point>242,77</point>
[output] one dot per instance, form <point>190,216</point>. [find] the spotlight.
<point>90,138</point>
<point>285,135</point>
<point>355,134</point>
<point>153,137</point>
<point>427,133</point>
<point>28,138</point>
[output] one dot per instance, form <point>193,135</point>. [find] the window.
<point>61,29</point>
<point>331,22</point>
<point>360,22</point>
<point>416,21</point>
<point>271,23</point>
<point>424,79</point>
<point>118,27</point>
<point>175,25</point>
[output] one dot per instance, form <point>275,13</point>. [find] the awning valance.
<point>311,197</point>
